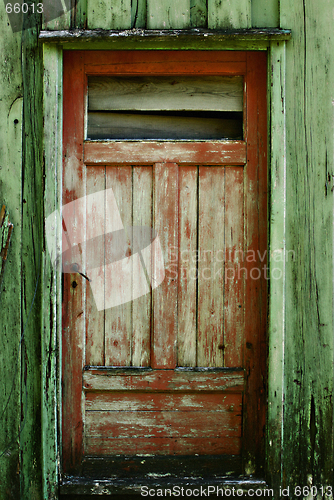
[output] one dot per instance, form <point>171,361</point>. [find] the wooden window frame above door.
<point>51,340</point>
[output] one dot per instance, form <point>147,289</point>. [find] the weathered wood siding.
<point>308,408</point>
<point>22,192</point>
<point>307,445</point>
<point>169,14</point>
<point>10,295</point>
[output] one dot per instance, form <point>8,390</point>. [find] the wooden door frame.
<point>51,327</point>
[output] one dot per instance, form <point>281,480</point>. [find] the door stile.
<point>255,270</point>
<point>74,284</point>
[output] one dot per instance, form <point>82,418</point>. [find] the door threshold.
<point>138,475</point>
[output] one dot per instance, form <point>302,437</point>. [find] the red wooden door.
<point>179,370</point>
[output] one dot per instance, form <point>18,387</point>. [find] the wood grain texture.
<point>181,261</point>
<point>138,13</point>
<point>122,402</point>
<point>168,15</point>
<point>51,340</point>
<point>277,304</point>
<point>164,380</point>
<point>165,223</point>
<point>118,319</point>
<point>142,307</point>
<point>31,254</point>
<point>255,239</point>
<point>95,319</point>
<point>163,446</point>
<point>229,14</point>
<point>198,14</point>
<point>265,13</point>
<point>211,153</point>
<point>234,281</point>
<point>167,62</point>
<point>164,424</point>
<point>210,270</point>
<point>109,14</point>
<point>79,14</point>
<point>11,107</point>
<point>165,93</point>
<point>309,271</point>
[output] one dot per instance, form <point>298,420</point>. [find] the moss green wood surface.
<point>59,23</point>
<point>10,294</point>
<point>229,14</point>
<point>79,14</point>
<point>198,14</point>
<point>308,410</point>
<point>109,14</point>
<point>138,14</point>
<point>52,57</point>
<point>277,210</point>
<point>32,246</point>
<point>168,14</point>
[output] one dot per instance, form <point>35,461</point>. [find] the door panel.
<point>176,369</point>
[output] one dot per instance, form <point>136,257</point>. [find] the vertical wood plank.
<point>73,297</point>
<point>95,182</point>
<point>277,305</point>
<point>109,14</point>
<point>141,307</point>
<point>57,15</point>
<point>255,241</point>
<point>11,103</point>
<point>168,14</point>
<point>118,319</point>
<point>265,14</point>
<point>234,276</point>
<point>229,14</point>
<point>308,363</point>
<point>198,13</point>
<point>79,14</point>
<point>211,209</point>
<point>187,267</point>
<point>165,212</point>
<point>51,365</point>
<point>32,258</point>
<point>138,14</point>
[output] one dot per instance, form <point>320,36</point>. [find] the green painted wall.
<point>307,447</point>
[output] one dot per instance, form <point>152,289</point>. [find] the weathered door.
<point>180,369</point>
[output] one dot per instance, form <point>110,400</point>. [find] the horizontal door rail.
<point>164,380</point>
<point>149,152</point>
